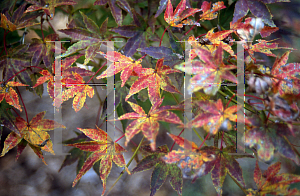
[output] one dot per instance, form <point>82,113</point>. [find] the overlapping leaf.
<point>226,164</point>
<point>267,138</point>
<point>79,90</point>
<point>257,7</point>
<point>48,6</point>
<point>148,123</point>
<point>154,80</point>
<point>176,19</point>
<point>214,116</point>
<point>161,170</point>
<point>42,50</point>
<point>135,33</point>
<point>211,13</point>
<point>18,20</point>
<point>193,162</point>
<point>103,148</point>
<point>9,94</point>
<point>33,133</point>
<point>115,6</point>
<point>270,182</point>
<point>123,64</point>
<point>66,76</point>
<point>285,75</point>
<point>89,38</point>
<point>209,72</point>
<point>16,62</point>
<point>161,52</point>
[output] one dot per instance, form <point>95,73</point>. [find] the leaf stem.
<point>163,35</point>
<point>131,159</point>
<point>203,142</point>
<point>243,189</point>
<point>4,41</point>
<point>174,142</point>
<point>23,104</point>
<point>50,25</point>
<point>21,72</point>
<point>192,128</point>
<point>120,138</point>
<point>96,72</point>
<point>42,20</point>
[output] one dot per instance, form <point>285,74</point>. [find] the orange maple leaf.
<point>191,160</point>
<point>148,123</point>
<point>181,12</point>
<point>270,182</point>
<point>34,133</point>
<point>209,72</point>
<point>154,79</point>
<point>214,117</point>
<point>78,89</point>
<point>9,94</point>
<point>103,148</point>
<point>123,64</point>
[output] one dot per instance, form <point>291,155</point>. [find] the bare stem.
<point>23,104</point>
<point>131,159</point>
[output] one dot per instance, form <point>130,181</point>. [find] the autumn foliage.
<point>151,68</point>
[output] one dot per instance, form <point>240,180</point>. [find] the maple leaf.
<point>270,182</point>
<point>216,40</point>
<point>18,20</point>
<point>193,162</point>
<point>269,137</point>
<point>161,170</point>
<point>66,73</point>
<point>208,13</point>
<point>285,75</point>
<point>123,64</point>
<point>154,80</point>
<point>33,133</point>
<point>135,33</point>
<point>226,164</point>
<point>257,7</point>
<point>89,38</point>
<point>262,46</point>
<point>79,90</point>
<point>102,148</point>
<point>214,116</point>
<point>9,94</point>
<point>161,52</point>
<point>48,6</point>
<point>42,50</point>
<point>115,9</point>
<point>176,19</point>
<point>147,123</point>
<point>209,73</point>
<point>15,62</point>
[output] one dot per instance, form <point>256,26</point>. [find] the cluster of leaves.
<point>142,62</point>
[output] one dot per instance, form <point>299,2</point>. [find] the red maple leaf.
<point>102,148</point>
<point>79,90</point>
<point>9,94</point>
<point>270,182</point>
<point>209,72</point>
<point>48,6</point>
<point>154,80</point>
<point>214,116</point>
<point>148,123</point>
<point>123,64</point>
<point>33,133</point>
<point>176,19</point>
